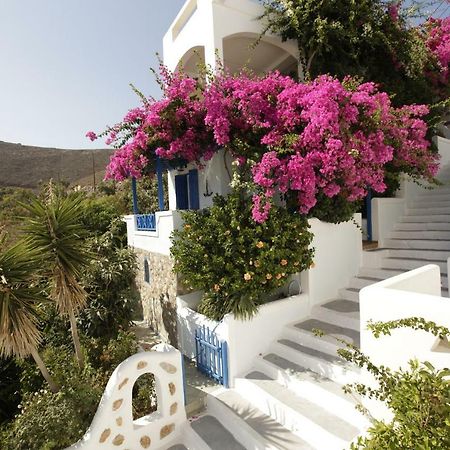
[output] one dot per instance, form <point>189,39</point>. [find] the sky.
<point>66,65</point>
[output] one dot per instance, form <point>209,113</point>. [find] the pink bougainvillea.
<point>438,42</point>
<point>325,137</point>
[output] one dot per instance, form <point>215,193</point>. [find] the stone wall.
<point>158,297</point>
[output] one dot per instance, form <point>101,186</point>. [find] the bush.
<point>334,210</point>
<point>48,421</point>
<point>233,259</point>
<point>419,398</point>
<point>109,282</point>
<point>9,389</point>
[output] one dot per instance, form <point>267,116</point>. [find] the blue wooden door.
<point>194,201</point>
<point>186,190</point>
<point>181,191</point>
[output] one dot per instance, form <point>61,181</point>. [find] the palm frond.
<point>19,298</point>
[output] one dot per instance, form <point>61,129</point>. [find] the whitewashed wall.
<point>337,258</point>
<point>246,338</point>
<point>416,293</point>
<point>157,241</point>
<point>216,172</point>
<point>412,294</point>
<point>188,320</point>
<point>113,425</point>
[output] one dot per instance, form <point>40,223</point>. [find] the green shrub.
<point>55,421</point>
<point>334,210</point>
<point>9,389</point>
<point>109,282</point>
<point>50,421</point>
<point>419,398</point>
<point>106,357</point>
<point>234,260</point>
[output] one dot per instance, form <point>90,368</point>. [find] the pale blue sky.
<point>65,65</point>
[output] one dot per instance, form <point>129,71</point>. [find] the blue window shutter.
<point>194,201</point>
<point>181,191</point>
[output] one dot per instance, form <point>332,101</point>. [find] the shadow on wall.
<point>169,318</point>
<point>161,316</point>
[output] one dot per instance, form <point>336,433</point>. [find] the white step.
<point>410,264</point>
<point>432,235</point>
<point>426,219</point>
<point>327,366</point>
<point>428,255</point>
<point>424,244</point>
<point>216,436</point>
<point>325,344</point>
<point>439,190</point>
<point>361,282</point>
<point>324,392</point>
<point>192,439</point>
<point>430,202</point>
<point>253,428</point>
<point>317,426</point>
<point>332,329</point>
<point>379,274</point>
<point>338,311</point>
<point>349,294</point>
<point>428,211</point>
<point>383,274</point>
<point>422,226</point>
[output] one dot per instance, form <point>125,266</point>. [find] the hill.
<point>26,166</point>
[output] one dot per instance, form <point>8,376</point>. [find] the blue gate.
<point>211,355</point>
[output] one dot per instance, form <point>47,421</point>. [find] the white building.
<point>284,378</point>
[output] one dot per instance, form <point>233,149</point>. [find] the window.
<point>186,190</point>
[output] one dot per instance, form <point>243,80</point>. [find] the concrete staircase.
<point>293,397</point>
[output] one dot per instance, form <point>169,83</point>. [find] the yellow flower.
<point>296,263</point>
<point>187,226</point>
<point>257,263</point>
<point>268,276</point>
<point>283,262</point>
<point>260,244</point>
<point>216,287</point>
<point>278,276</point>
<point>247,277</point>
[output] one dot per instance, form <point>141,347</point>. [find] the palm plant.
<point>54,229</point>
<point>20,297</point>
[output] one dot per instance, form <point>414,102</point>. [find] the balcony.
<point>152,232</point>
<point>205,30</point>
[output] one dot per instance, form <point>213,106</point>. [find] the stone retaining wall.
<point>158,296</point>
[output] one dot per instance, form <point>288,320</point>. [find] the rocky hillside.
<point>26,166</point>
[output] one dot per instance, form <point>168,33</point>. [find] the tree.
<point>20,296</point>
<point>54,230</point>
<point>372,39</point>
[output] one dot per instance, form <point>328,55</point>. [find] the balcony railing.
<point>145,222</point>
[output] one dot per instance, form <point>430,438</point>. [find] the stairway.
<point>293,397</point>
